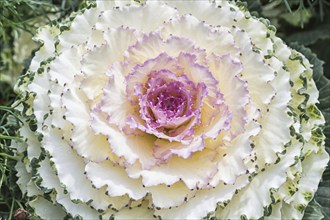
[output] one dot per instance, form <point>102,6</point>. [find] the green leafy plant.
<point>18,19</point>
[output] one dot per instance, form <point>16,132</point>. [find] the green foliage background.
<point>303,24</point>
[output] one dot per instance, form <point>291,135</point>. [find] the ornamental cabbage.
<point>169,110</point>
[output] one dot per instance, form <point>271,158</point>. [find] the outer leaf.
<point>323,85</point>
<point>323,198</point>
<point>311,36</point>
<point>313,211</point>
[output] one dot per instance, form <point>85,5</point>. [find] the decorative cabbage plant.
<point>169,110</point>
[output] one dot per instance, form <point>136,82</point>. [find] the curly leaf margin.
<point>319,208</point>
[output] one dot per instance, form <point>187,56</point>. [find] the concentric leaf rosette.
<point>171,110</point>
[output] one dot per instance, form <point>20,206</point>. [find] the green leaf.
<point>311,36</point>
<point>298,17</point>
<point>313,211</point>
<point>322,196</point>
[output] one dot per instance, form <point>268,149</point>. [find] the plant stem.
<point>9,137</point>
<point>11,209</point>
<point>9,156</point>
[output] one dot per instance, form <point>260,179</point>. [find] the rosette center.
<point>167,101</point>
